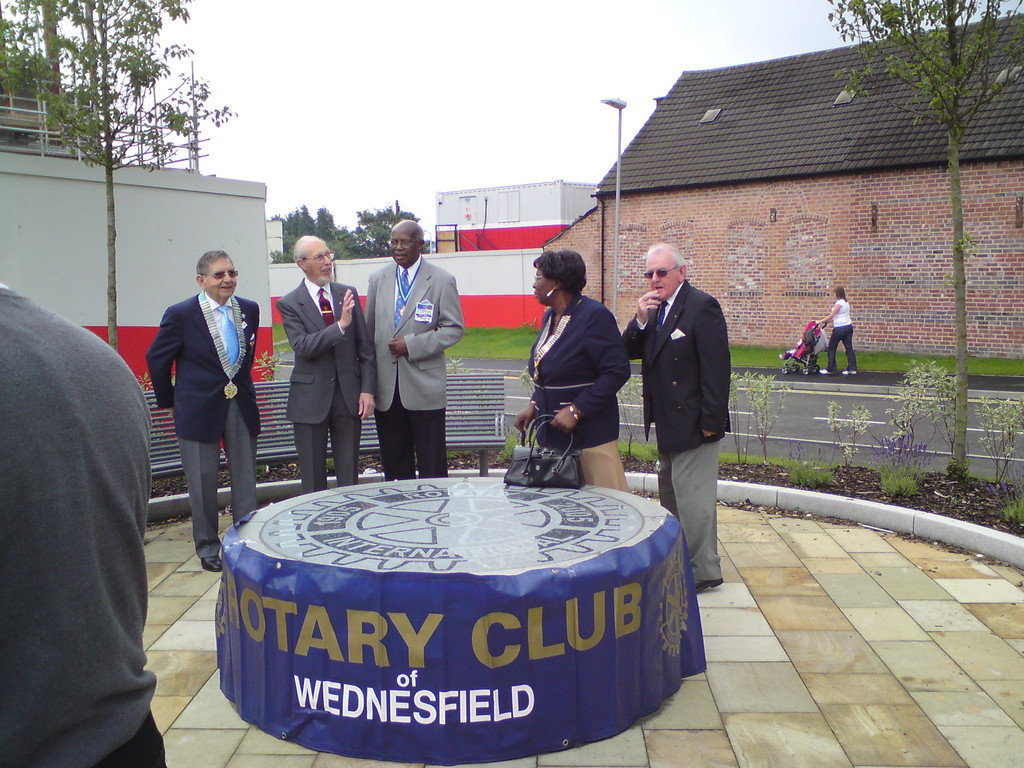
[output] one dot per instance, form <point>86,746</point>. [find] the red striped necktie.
<point>325,308</point>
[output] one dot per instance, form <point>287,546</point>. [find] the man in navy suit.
<point>335,376</point>
<point>210,340</point>
<point>680,335</point>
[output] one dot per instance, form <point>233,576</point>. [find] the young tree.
<point>105,78</point>
<point>956,56</point>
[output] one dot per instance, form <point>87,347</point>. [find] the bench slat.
<point>474,421</point>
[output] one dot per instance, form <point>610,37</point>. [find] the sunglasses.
<point>659,272</point>
<point>220,275</point>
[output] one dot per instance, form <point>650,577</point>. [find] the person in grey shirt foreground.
<point>74,494</point>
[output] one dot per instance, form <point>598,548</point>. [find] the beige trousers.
<point>602,466</point>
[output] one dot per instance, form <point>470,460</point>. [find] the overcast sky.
<point>353,105</point>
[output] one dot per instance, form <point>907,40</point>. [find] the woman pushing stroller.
<point>842,331</point>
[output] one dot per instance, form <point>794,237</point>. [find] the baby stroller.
<point>804,357</point>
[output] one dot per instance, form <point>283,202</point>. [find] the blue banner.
<point>454,666</point>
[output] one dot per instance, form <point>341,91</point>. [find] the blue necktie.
<point>403,294</point>
<point>662,315</point>
<point>230,334</point>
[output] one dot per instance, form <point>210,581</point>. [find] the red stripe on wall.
<point>134,340</point>
<point>508,238</point>
<point>510,311</point>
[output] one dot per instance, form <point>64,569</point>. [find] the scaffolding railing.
<point>23,129</point>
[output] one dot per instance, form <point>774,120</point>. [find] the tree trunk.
<point>958,459</point>
<point>108,173</point>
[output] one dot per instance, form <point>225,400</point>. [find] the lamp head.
<point>614,103</point>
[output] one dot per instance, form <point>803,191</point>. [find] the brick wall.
<point>771,251</point>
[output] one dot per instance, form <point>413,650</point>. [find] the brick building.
<point>777,185</point>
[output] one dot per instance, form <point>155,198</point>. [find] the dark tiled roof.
<point>778,119</point>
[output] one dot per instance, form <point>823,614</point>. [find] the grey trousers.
<point>201,462</point>
<point>311,446</point>
<point>688,488</point>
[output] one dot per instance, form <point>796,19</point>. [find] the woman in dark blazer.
<point>578,364</point>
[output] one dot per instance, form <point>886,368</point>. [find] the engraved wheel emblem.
<point>674,608</point>
<point>454,527</point>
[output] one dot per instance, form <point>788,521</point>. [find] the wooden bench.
<point>474,421</point>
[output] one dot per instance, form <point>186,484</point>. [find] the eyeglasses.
<point>649,275</point>
<point>221,275</point>
<point>319,258</point>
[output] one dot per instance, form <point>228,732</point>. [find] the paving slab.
<point>828,645</point>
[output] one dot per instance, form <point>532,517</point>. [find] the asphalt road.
<point>801,428</point>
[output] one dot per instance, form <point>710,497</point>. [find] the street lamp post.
<point>618,105</point>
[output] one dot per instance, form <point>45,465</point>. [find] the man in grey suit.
<point>413,314</point>
<point>334,378</point>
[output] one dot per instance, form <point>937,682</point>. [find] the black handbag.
<point>536,467</point>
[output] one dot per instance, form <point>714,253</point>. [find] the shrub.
<point>927,394</point>
<point>899,482</point>
<point>1011,497</point>
<point>1013,512</point>
<point>852,427</point>
<point>1002,421</point>
<point>631,409</point>
<point>901,463</point>
<point>511,441</point>
<point>265,365</point>
<point>807,474</point>
<point>764,406</point>
<point>742,442</point>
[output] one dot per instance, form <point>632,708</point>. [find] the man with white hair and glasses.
<point>679,334</point>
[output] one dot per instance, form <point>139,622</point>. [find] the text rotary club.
<point>367,637</point>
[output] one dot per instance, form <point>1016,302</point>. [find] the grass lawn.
<point>499,343</point>
<point>515,344</point>
<point>759,357</point>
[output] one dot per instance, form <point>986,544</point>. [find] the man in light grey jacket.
<point>413,314</point>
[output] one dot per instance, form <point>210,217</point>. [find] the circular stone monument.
<point>454,621</point>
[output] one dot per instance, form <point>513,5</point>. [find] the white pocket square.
<point>677,334</point>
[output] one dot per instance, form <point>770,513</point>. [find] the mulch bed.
<point>970,500</point>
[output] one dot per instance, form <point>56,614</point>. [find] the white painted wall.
<point>53,236</point>
<point>477,273</point>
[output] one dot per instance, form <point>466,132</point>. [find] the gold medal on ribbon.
<point>230,390</point>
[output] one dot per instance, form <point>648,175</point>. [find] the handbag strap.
<point>530,437</point>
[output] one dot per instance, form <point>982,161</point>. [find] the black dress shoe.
<point>211,563</point>
<point>709,584</point>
